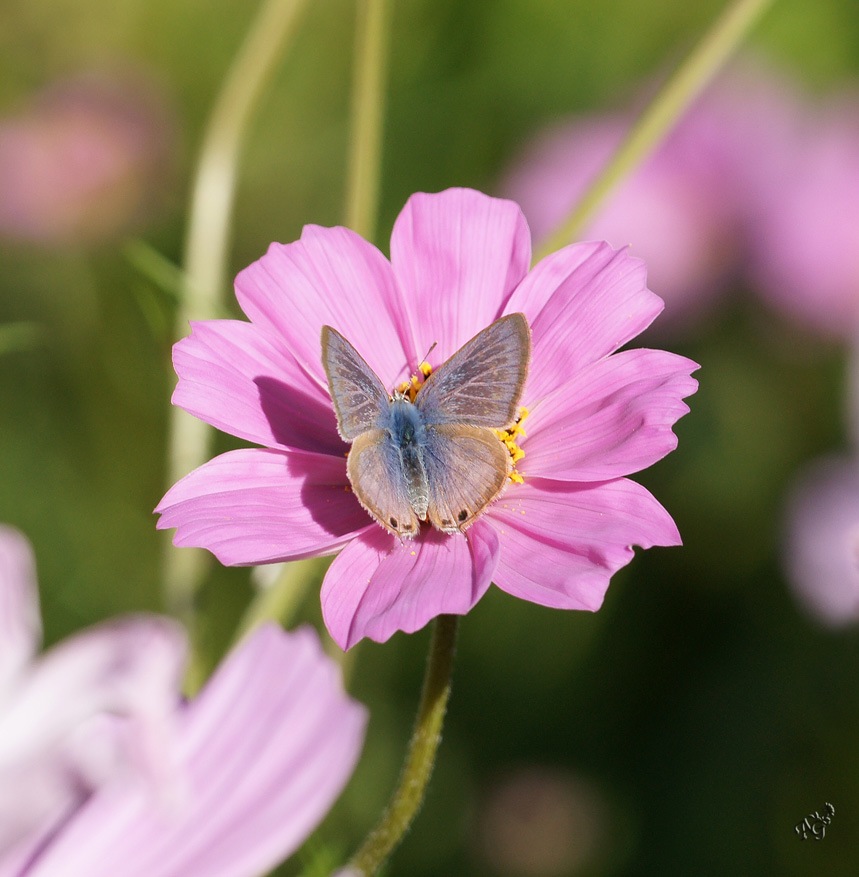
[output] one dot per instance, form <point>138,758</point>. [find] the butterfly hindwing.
<point>359,397</point>
<point>482,382</point>
<point>375,471</point>
<point>466,468</point>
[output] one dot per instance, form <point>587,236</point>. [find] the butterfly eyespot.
<point>462,515</point>
<point>446,522</point>
<point>393,522</point>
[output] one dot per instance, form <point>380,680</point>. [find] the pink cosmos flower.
<point>459,260</point>
<point>687,209</point>
<point>227,785</point>
<point>821,545</point>
<point>56,743</point>
<point>263,751</point>
<point>84,160</point>
<point>807,240</point>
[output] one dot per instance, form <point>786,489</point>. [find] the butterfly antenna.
<point>426,357</point>
<point>410,387</point>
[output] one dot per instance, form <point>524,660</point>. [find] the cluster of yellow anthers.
<point>410,388</point>
<point>510,437</point>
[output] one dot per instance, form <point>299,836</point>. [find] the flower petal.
<point>266,747</point>
<point>610,419</point>
<point>820,552</point>
<point>331,276</point>
<point>583,303</point>
<point>239,380</point>
<point>256,506</point>
<point>457,256</point>
<point>54,746</point>
<point>562,542</point>
<point>378,585</point>
<point>20,624</point>
<point>130,666</point>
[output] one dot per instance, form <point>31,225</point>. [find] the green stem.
<point>281,600</point>
<point>420,757</point>
<point>664,111</point>
<point>367,117</point>
<point>207,250</point>
<point>21,336</point>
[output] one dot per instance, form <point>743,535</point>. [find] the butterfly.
<point>436,458</point>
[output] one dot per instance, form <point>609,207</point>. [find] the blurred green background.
<point>692,722</point>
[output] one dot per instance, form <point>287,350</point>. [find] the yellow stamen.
<point>410,388</point>
<point>509,438</point>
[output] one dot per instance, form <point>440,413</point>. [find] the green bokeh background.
<point>704,709</point>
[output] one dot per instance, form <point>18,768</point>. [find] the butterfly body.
<point>436,459</point>
<point>408,433</point>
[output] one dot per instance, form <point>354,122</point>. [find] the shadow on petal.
<point>299,420</point>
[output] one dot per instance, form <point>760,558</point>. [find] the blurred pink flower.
<point>459,260</point>
<point>84,160</point>
<point>821,552</point>
<point>686,209</point>
<point>264,751</point>
<point>542,821</point>
<point>806,242</point>
<point>56,742</point>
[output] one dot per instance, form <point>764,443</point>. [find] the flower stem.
<point>281,599</point>
<point>367,117</point>
<point>207,251</point>
<point>688,81</point>
<point>420,757</point>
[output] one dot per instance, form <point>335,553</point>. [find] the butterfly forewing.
<point>482,382</point>
<point>466,469</point>
<point>375,472</point>
<point>360,399</point>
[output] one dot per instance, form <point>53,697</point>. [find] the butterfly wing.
<point>466,468</point>
<point>360,399</point>
<point>482,382</point>
<point>376,473</point>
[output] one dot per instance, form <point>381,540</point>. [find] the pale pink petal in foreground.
<point>265,748</point>
<point>20,624</point>
<point>821,541</point>
<point>459,262</point>
<point>59,738</point>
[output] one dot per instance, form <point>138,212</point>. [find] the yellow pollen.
<point>509,438</point>
<point>410,388</point>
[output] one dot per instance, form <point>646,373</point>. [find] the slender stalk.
<point>280,600</point>
<point>207,248</point>
<point>663,112</point>
<point>367,117</point>
<point>420,757</point>
<point>21,336</point>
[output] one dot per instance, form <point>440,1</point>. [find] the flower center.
<point>409,389</point>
